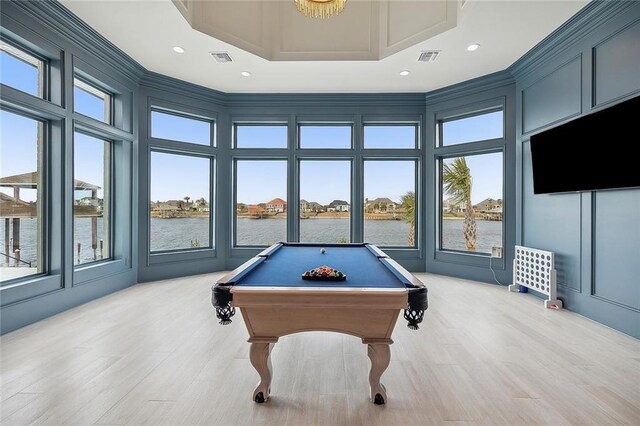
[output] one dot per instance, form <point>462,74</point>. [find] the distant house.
<point>487,205</point>
<point>255,209</point>
<point>380,205</point>
<point>449,206</point>
<point>338,206</point>
<point>166,206</point>
<point>304,205</point>
<point>314,207</point>
<point>87,201</point>
<point>277,205</point>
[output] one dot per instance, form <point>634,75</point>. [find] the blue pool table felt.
<point>285,266</point>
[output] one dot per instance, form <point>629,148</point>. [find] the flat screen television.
<point>593,152</point>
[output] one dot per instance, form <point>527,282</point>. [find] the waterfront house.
<point>380,205</point>
<point>338,206</point>
<point>277,205</point>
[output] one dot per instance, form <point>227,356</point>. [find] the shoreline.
<point>282,217</point>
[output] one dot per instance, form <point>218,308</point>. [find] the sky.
<point>176,176</point>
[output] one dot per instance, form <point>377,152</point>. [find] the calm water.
<point>81,233</point>
<point>168,234</point>
<point>381,232</point>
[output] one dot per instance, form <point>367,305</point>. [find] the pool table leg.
<point>380,356</point>
<point>260,356</point>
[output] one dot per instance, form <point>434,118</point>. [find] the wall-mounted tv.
<point>593,152</point>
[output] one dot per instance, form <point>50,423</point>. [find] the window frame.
<point>234,195</point>
<point>468,113</point>
<point>44,196</point>
<point>415,125</point>
<point>330,123</point>
<point>85,84</point>
<point>353,177</point>
<point>155,257</point>
<point>479,147</point>
<point>417,199</point>
<point>112,199</point>
<point>236,124</point>
<point>182,113</point>
<point>43,67</point>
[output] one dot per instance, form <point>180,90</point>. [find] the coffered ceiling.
<point>364,49</point>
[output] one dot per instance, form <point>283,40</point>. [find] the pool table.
<point>275,301</point>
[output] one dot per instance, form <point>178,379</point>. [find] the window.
<point>180,128</point>
<point>260,136</point>
<point>472,129</point>
<point>21,70</point>
<point>471,203</point>
<point>390,136</point>
<point>261,202</point>
<point>325,201</point>
<point>325,137</point>
<point>389,204</point>
<point>180,202</point>
<point>90,101</point>
<point>21,196</point>
<point>92,197</point>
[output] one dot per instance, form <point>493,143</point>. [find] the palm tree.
<point>408,202</point>
<point>457,181</point>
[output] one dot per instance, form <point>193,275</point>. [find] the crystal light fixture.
<point>320,8</point>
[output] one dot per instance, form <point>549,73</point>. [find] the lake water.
<point>168,234</point>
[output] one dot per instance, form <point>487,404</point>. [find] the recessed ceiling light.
<point>178,49</point>
<point>405,73</point>
<point>473,47</point>
<point>245,74</point>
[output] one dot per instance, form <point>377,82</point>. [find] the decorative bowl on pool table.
<point>324,273</point>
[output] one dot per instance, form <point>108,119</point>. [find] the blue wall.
<point>591,63</point>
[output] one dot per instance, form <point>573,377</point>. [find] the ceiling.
<point>366,30</point>
<point>148,30</point>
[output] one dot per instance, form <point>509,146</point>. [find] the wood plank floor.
<point>154,354</point>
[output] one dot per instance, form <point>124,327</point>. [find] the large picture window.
<point>325,201</point>
<point>389,203</point>
<point>261,202</point>
<point>471,203</point>
<point>21,70</point>
<point>92,197</point>
<point>180,204</point>
<point>21,196</point>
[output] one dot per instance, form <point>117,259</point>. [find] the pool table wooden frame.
<point>272,312</point>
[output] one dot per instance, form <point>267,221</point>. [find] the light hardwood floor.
<point>155,354</point>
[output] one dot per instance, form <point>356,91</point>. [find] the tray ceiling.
<point>365,30</point>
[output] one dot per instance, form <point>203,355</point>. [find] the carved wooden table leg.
<point>380,356</point>
<point>260,356</point>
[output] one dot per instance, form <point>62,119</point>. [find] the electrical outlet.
<point>496,252</point>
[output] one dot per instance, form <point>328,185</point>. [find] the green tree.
<point>457,181</point>
<point>408,202</point>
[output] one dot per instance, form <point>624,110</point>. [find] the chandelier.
<point>320,8</point>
